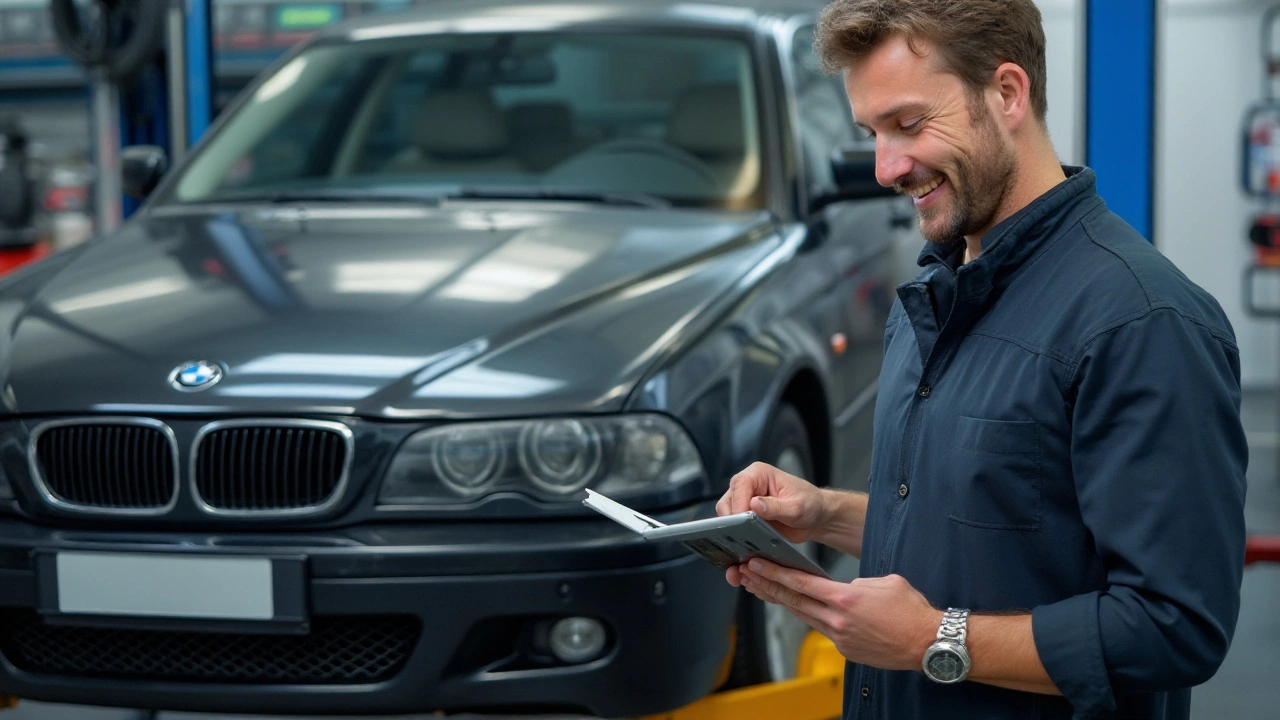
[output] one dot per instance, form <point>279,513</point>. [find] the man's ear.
<point>1014,86</point>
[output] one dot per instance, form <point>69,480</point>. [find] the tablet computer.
<point>722,541</point>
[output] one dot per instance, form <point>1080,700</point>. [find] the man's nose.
<point>891,163</point>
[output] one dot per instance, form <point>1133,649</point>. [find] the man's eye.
<point>914,126</point>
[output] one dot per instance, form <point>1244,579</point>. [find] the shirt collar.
<point>1021,235</point>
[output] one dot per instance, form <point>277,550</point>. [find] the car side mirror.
<point>854,172</point>
<point>141,167</point>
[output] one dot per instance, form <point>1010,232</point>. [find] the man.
<point>1055,521</point>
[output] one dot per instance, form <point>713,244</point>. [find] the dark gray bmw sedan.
<point>310,433</point>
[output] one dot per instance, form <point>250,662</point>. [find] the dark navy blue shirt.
<point>1058,432</point>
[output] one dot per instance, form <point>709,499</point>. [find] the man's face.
<point>935,142</point>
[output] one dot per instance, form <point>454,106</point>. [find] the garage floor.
<point>1244,689</point>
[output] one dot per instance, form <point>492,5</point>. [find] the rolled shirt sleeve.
<point>1158,457</point>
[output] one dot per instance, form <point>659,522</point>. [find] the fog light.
<point>577,639</point>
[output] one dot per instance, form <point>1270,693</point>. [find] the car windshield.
<point>603,116</point>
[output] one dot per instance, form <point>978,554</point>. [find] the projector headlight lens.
<point>548,460</point>
<point>467,460</point>
<point>560,456</point>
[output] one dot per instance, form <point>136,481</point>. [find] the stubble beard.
<point>983,179</point>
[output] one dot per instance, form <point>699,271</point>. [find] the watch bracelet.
<point>954,626</point>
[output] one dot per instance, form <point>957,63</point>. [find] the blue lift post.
<point>171,105</point>
<point>1120,102</point>
<point>143,119</point>
<point>199,57</point>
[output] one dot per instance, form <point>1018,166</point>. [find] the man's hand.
<point>796,508</point>
<point>882,622</point>
<point>886,623</point>
<point>792,505</point>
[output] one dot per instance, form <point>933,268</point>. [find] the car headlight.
<point>467,461</point>
<point>549,459</point>
<point>560,456</point>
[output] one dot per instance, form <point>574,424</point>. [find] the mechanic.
<point>1055,524</point>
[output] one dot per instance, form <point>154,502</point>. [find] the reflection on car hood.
<point>375,310</point>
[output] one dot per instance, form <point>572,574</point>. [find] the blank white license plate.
<point>157,585</point>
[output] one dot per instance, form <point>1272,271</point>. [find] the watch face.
<point>945,665</point>
<point>946,662</point>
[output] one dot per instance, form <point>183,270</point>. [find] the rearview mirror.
<point>854,171</point>
<point>141,167</point>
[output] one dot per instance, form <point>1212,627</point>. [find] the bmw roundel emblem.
<point>195,376</point>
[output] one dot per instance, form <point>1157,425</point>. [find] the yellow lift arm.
<point>816,693</point>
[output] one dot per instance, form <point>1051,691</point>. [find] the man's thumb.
<point>772,508</point>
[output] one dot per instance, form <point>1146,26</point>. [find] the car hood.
<point>395,311</point>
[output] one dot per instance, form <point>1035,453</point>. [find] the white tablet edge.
<point>620,513</point>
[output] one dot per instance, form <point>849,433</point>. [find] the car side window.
<point>826,122</point>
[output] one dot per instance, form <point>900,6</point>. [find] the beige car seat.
<point>706,121</point>
<point>457,131</point>
<point>544,134</point>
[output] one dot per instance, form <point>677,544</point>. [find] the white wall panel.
<point>1064,55</point>
<point>1209,72</point>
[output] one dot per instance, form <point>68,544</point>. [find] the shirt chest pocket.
<point>998,482</point>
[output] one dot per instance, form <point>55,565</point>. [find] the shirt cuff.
<point>1070,647</point>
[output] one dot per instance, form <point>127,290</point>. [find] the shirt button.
<point>866,693</point>
<point>903,490</point>
<point>924,391</point>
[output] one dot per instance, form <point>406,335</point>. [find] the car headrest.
<point>707,121</point>
<point>542,120</point>
<point>460,124</point>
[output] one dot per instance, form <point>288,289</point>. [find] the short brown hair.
<point>973,37</point>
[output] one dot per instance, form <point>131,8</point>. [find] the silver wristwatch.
<point>947,659</point>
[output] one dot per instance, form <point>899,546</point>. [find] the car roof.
<point>462,16</point>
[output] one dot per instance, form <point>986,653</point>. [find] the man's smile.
<point>923,194</point>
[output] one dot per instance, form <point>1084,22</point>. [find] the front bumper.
<point>466,603</point>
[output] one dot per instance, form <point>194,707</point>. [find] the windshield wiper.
<point>557,194</point>
<point>327,196</point>
<point>351,196</point>
<point>490,192</point>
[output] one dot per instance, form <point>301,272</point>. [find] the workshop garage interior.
<point>422,358</point>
